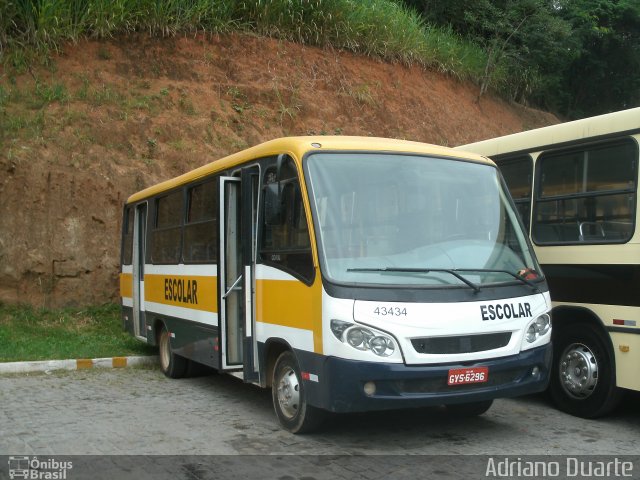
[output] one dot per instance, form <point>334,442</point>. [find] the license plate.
<point>462,376</point>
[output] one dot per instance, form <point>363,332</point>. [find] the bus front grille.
<point>461,344</point>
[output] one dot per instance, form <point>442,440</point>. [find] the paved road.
<point>140,412</point>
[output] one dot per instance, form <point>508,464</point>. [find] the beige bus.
<point>575,187</point>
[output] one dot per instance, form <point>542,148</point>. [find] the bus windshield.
<point>394,219</point>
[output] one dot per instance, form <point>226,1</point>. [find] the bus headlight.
<point>382,346</point>
<point>359,337</point>
<point>338,327</point>
<point>362,338</point>
<point>538,328</point>
<point>543,324</point>
<point>531,333</point>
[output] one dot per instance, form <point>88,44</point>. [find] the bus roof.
<point>297,147</point>
<point>624,122</point>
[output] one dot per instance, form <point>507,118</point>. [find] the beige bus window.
<point>587,195</point>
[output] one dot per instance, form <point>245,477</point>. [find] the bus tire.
<point>472,409</point>
<point>583,373</point>
<point>289,399</point>
<point>171,364</point>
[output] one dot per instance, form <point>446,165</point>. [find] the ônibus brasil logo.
<point>36,469</point>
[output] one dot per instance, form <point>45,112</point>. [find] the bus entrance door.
<point>238,211</point>
<point>139,236</point>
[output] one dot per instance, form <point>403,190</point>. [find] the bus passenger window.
<point>587,195</point>
<point>517,173</point>
<point>127,240</point>
<point>200,231</point>
<point>166,232</point>
<point>285,238</point>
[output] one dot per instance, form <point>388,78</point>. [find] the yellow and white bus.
<point>575,186</point>
<point>346,273</point>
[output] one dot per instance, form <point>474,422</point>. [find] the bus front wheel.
<point>289,397</point>
<point>583,375</point>
<point>172,365</point>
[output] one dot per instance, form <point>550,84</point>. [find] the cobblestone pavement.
<point>138,411</point>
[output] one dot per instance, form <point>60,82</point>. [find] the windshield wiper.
<point>491,270</point>
<point>453,272</point>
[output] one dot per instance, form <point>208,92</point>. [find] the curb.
<point>78,364</point>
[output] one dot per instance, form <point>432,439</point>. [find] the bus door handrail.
<point>233,287</point>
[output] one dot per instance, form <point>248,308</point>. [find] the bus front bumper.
<point>338,385</point>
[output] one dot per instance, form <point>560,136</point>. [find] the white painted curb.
<point>78,364</point>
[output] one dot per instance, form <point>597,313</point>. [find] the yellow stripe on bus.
<point>188,291</point>
<point>291,304</point>
<point>126,285</point>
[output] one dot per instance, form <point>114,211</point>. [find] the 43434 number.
<point>393,311</point>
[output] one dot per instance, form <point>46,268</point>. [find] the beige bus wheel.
<point>583,376</point>
<point>172,365</point>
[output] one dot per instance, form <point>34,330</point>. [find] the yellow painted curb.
<point>76,364</point>
<point>84,363</point>
<point>119,362</point>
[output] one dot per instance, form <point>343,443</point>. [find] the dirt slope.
<point>108,119</point>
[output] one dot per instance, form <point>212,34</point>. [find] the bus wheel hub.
<point>289,393</point>
<point>578,371</point>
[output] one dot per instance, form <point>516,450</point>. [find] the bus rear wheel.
<point>289,397</point>
<point>171,364</point>
<point>583,375</point>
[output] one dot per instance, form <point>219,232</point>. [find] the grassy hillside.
<point>380,28</point>
<point>100,98</point>
<point>107,118</point>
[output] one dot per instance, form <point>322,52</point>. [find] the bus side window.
<point>517,173</point>
<point>586,195</point>
<point>167,229</point>
<point>285,241</point>
<point>127,240</point>
<point>200,231</point>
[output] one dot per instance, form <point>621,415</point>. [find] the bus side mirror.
<point>272,205</point>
